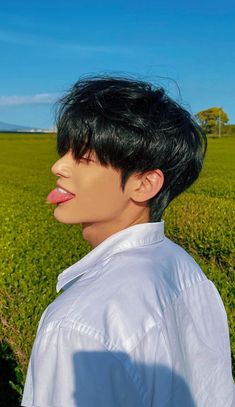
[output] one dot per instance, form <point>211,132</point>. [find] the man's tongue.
<point>56,196</point>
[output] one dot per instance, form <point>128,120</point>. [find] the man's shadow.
<point>8,365</point>
<point>101,377</point>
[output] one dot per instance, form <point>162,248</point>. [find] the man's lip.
<point>61,186</point>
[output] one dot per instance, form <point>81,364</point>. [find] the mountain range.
<point>16,127</point>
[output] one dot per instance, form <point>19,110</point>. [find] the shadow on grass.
<point>10,376</point>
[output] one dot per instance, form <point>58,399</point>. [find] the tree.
<point>212,120</point>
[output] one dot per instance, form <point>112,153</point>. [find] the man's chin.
<point>63,218</point>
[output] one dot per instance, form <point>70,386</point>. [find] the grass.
<point>35,248</point>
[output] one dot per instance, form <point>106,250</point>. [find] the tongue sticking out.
<point>56,196</point>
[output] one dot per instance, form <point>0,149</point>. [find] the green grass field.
<point>35,248</point>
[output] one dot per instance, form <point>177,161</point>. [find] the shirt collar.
<point>141,234</point>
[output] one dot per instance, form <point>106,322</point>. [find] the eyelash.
<point>87,159</point>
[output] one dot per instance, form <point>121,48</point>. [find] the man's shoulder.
<point>127,293</point>
<point>166,266</point>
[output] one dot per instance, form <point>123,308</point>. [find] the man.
<point>138,323</point>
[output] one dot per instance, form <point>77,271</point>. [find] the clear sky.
<point>47,45</point>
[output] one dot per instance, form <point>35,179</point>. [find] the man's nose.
<point>61,168</point>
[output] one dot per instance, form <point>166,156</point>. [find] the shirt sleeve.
<point>70,368</point>
<point>199,343</point>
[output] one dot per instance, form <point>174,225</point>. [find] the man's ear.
<point>147,185</point>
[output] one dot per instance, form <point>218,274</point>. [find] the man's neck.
<point>96,233</point>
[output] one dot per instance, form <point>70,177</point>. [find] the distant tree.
<point>212,120</point>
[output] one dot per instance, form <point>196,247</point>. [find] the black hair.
<point>134,127</point>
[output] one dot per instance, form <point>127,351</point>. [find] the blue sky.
<point>188,48</point>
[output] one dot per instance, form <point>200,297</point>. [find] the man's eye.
<point>85,158</point>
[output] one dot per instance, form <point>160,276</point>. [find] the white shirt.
<point>138,325</point>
